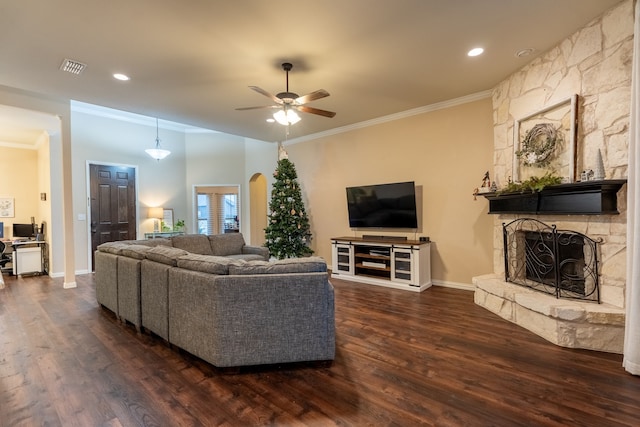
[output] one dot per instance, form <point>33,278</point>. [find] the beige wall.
<point>20,170</point>
<point>446,152</point>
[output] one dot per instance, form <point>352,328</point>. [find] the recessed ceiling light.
<point>525,52</point>
<point>271,120</point>
<point>120,76</point>
<point>475,51</point>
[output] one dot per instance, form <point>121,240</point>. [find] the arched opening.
<point>258,208</point>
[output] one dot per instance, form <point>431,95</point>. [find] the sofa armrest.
<point>256,250</point>
<point>106,278</point>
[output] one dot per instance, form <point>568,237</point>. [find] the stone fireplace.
<point>594,63</point>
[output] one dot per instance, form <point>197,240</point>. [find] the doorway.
<point>258,206</point>
<point>112,195</point>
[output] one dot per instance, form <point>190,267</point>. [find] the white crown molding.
<point>125,116</point>
<point>392,117</point>
<point>18,145</point>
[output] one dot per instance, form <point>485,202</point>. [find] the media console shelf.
<point>400,264</point>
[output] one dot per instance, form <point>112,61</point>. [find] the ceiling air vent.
<point>73,67</point>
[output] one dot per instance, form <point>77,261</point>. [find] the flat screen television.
<point>23,231</point>
<point>383,206</point>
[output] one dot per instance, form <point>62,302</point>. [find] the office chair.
<point>4,258</point>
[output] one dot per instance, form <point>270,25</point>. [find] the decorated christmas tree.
<point>288,233</point>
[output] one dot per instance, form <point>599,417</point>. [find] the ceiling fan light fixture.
<point>286,117</point>
<point>157,153</point>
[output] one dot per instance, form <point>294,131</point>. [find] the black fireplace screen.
<point>557,262</point>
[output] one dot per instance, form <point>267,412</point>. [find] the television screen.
<point>22,231</point>
<point>383,206</point>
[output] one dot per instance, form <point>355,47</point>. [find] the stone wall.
<point>594,63</point>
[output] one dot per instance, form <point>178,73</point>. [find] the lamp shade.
<point>157,153</point>
<point>157,213</point>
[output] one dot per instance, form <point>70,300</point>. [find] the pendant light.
<point>157,153</point>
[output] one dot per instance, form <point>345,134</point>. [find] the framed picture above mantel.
<point>544,142</point>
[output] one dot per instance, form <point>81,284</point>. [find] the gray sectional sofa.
<point>220,299</point>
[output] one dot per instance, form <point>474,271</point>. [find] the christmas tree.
<point>288,233</point>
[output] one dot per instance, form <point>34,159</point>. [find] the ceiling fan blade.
<point>267,94</point>
<point>318,94</point>
<point>317,111</point>
<point>257,108</point>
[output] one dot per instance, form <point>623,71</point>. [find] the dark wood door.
<point>113,204</point>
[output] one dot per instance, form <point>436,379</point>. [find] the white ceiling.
<point>192,62</point>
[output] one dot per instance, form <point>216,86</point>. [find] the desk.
<point>28,257</point>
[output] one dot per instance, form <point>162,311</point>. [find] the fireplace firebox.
<point>558,262</point>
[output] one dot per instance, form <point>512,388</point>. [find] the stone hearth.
<point>566,323</point>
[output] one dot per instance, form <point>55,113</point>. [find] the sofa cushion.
<point>289,265</point>
<point>246,257</point>
<point>160,241</point>
<point>207,263</point>
<point>112,247</point>
<point>193,243</point>
<point>165,254</point>
<point>226,244</point>
<point>135,251</point>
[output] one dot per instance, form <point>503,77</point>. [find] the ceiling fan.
<point>287,102</point>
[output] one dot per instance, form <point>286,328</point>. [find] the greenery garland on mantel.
<point>532,185</point>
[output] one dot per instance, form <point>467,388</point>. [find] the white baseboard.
<point>455,285</point>
<point>61,274</point>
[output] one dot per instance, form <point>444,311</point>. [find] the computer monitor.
<point>23,231</point>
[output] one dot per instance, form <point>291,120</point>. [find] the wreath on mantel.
<point>539,145</point>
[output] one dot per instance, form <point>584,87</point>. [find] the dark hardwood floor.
<point>403,359</point>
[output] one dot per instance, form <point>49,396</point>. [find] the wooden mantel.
<point>579,198</point>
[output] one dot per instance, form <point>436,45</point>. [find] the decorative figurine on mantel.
<point>598,174</point>
<point>486,186</point>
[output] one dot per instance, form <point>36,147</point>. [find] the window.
<point>217,213</point>
<point>228,212</point>
<point>203,213</point>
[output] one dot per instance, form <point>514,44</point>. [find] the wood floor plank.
<point>402,359</point>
